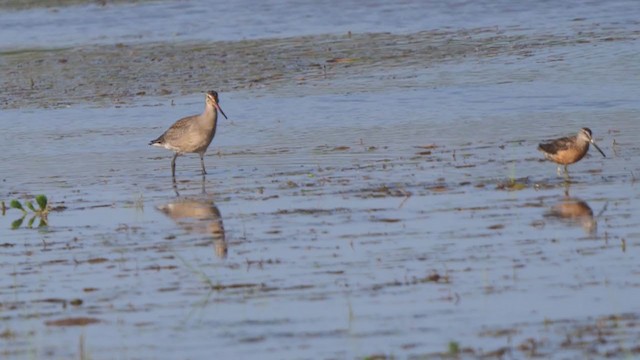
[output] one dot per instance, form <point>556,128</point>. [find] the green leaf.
<point>15,204</point>
<point>43,222</point>
<point>454,348</point>
<point>30,206</point>
<point>16,224</point>
<point>30,223</point>
<point>42,201</point>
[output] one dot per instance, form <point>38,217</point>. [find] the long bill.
<point>225,116</point>
<point>594,144</point>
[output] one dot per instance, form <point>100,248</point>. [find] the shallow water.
<point>381,209</point>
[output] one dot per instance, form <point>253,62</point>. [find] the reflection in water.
<point>199,216</point>
<point>574,211</point>
<point>175,186</point>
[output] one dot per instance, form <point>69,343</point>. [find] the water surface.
<point>385,207</point>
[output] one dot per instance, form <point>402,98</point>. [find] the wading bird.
<point>192,134</point>
<point>568,150</point>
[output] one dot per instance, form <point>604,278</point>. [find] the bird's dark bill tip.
<point>600,150</point>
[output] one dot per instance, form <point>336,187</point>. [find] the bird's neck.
<point>209,117</point>
<point>583,145</point>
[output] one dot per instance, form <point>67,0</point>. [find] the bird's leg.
<point>566,173</point>
<point>175,187</point>
<point>173,166</point>
<point>202,163</point>
<point>559,170</point>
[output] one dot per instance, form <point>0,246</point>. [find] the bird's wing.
<point>176,130</point>
<point>557,145</point>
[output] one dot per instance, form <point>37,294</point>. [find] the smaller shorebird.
<point>569,150</point>
<point>192,134</point>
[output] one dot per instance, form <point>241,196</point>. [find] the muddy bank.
<point>121,74</point>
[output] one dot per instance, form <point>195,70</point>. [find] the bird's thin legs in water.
<point>567,186</point>
<point>175,187</point>
<point>202,163</point>
<point>173,167</point>
<point>563,171</point>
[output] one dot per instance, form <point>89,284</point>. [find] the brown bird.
<point>568,150</point>
<point>192,134</point>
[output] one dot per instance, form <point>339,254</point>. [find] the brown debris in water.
<point>384,191</point>
<point>386,220</point>
<point>220,287</point>
<point>433,277</point>
<point>73,321</point>
<point>428,147</point>
<point>97,260</point>
<point>312,211</point>
<point>158,267</point>
<point>438,188</point>
<point>612,336</point>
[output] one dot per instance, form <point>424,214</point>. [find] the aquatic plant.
<point>40,212</point>
<point>453,348</point>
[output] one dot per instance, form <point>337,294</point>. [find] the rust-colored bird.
<point>192,134</point>
<point>568,150</point>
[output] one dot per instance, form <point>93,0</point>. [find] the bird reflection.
<point>199,216</point>
<point>574,211</point>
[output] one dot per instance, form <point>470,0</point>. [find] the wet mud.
<point>124,73</point>
<point>56,4</point>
